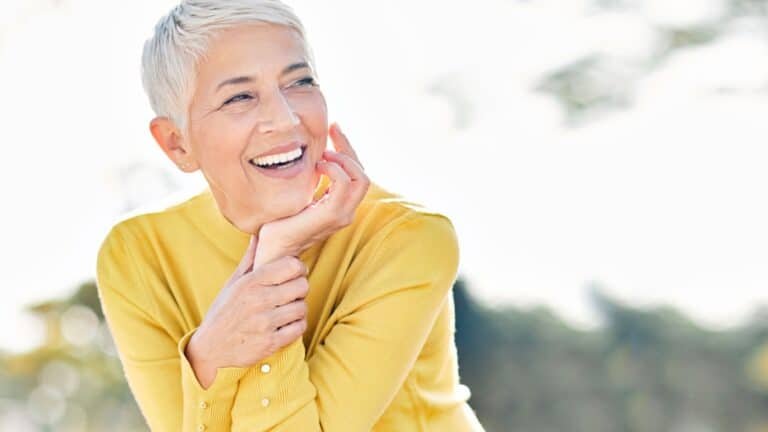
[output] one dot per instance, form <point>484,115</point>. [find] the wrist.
<point>270,249</point>
<point>202,365</point>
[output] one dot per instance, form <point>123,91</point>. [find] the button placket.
<point>265,369</point>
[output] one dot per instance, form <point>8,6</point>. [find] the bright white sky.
<point>662,203</point>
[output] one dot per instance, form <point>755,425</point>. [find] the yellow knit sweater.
<point>378,352</point>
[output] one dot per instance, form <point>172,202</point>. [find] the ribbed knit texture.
<point>378,352</point>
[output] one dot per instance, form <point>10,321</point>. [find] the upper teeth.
<point>278,158</point>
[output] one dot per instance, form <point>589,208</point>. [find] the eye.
<point>304,82</point>
<point>238,98</point>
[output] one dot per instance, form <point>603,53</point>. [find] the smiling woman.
<point>243,108</point>
<point>293,293</point>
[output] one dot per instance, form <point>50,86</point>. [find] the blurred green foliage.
<point>642,370</point>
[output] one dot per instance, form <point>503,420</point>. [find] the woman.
<point>292,294</point>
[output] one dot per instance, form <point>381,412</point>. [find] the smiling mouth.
<point>277,164</point>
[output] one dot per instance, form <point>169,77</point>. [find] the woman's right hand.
<point>258,311</point>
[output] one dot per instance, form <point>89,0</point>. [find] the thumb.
<point>246,263</point>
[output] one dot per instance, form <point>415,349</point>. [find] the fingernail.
<point>338,128</point>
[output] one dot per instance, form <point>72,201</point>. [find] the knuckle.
<point>303,286</point>
<point>298,265</point>
<point>260,275</point>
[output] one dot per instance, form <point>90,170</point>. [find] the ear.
<point>172,143</point>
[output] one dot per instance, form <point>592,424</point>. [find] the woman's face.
<point>256,95</point>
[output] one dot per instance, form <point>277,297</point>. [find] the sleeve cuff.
<point>213,404</point>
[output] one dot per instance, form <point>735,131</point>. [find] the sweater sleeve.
<point>158,374</point>
<point>390,304</point>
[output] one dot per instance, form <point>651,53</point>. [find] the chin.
<point>292,206</point>
<point>277,205</point>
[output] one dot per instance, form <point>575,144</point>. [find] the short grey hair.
<point>170,58</point>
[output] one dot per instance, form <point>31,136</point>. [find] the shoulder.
<point>132,235</point>
<point>383,212</point>
<point>398,243</point>
<point>160,213</point>
<point>392,227</point>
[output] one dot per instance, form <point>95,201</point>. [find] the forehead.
<point>258,50</point>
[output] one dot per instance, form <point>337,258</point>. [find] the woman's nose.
<point>278,115</point>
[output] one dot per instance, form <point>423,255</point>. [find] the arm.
<point>161,380</point>
<point>392,299</point>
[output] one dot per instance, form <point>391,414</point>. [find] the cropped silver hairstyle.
<point>170,58</point>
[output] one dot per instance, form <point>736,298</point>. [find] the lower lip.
<point>284,172</point>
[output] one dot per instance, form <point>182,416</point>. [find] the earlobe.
<point>169,138</point>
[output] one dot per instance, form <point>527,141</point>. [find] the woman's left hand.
<point>292,235</point>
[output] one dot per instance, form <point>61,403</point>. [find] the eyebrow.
<point>247,79</point>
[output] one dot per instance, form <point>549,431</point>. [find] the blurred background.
<point>603,162</point>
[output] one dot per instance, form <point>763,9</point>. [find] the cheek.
<point>220,146</point>
<point>314,114</point>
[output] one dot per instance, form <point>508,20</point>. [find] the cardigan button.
<point>200,428</point>
<point>203,404</point>
<point>265,402</point>
<point>265,368</point>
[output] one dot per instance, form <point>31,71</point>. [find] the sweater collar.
<point>232,241</point>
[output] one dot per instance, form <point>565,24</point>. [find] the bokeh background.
<point>603,162</point>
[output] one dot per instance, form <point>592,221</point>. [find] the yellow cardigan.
<point>378,352</point>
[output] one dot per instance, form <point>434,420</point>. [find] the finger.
<point>341,142</point>
<point>290,332</point>
<point>279,271</point>
<point>287,313</point>
<point>287,292</point>
<point>352,167</point>
<point>246,262</point>
<point>358,187</point>
<point>340,182</point>
<point>334,171</point>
